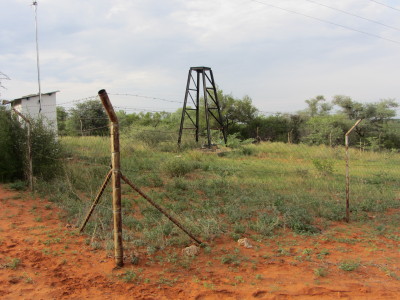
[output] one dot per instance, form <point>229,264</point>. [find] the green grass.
<point>349,265</point>
<point>255,190</point>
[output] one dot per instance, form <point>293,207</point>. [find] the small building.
<point>29,106</point>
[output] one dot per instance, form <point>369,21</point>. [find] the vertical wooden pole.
<point>116,177</point>
<point>30,162</point>
<point>29,150</point>
<point>346,140</point>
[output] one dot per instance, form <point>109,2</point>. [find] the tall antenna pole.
<point>35,4</point>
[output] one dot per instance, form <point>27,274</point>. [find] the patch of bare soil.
<point>43,258</point>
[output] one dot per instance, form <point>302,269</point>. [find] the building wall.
<point>30,107</point>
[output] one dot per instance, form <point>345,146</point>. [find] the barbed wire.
<point>147,97</point>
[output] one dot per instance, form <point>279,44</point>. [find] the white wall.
<point>30,107</point>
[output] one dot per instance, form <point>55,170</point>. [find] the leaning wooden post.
<point>29,154</point>
<point>346,139</point>
<point>116,177</point>
<point>96,200</point>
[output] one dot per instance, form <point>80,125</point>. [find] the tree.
<point>62,116</point>
<point>236,113</point>
<point>88,118</point>
<point>11,152</point>
<point>328,130</point>
<point>375,114</point>
<point>318,107</point>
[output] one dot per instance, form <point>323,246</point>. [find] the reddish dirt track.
<point>43,258</point>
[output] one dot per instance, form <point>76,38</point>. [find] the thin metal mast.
<point>35,4</point>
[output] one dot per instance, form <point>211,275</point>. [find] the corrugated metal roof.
<point>33,95</point>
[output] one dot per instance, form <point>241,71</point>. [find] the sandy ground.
<point>44,258</point>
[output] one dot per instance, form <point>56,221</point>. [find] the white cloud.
<point>146,46</point>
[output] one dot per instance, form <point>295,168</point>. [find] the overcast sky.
<point>278,52</point>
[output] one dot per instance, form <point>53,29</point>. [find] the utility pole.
<point>35,5</point>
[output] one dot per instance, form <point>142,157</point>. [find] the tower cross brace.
<point>203,79</point>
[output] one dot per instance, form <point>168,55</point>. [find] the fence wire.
<point>252,187</point>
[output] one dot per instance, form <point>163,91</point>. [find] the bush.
<point>324,166</point>
<point>46,151</point>
<point>178,167</point>
<point>11,152</point>
<point>13,149</point>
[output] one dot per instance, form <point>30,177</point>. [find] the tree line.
<point>321,122</point>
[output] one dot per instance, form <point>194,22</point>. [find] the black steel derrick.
<point>201,78</point>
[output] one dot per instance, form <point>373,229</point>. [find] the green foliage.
<point>233,141</point>
<point>12,263</point>
<point>299,220</point>
<point>349,265</point>
<point>11,150</point>
<point>18,185</point>
<point>320,272</point>
<point>62,116</point>
<point>236,110</point>
<point>266,223</point>
<point>317,106</point>
<point>46,151</point>
<point>87,118</point>
<point>325,130</point>
<point>178,167</point>
<point>324,166</point>
<point>150,136</point>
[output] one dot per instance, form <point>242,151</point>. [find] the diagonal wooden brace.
<point>172,219</point>
<point>96,200</point>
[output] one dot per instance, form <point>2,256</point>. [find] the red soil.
<point>43,258</point>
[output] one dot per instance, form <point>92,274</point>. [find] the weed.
<point>321,272</point>
<point>12,263</point>
<point>323,253</point>
<point>27,278</point>
<point>231,259</point>
<point>130,276</point>
<point>167,281</point>
<point>349,265</point>
<point>324,166</point>
<point>238,280</point>
<point>178,167</point>
<point>18,186</point>
<point>208,285</point>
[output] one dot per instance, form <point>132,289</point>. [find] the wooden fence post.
<point>116,177</point>
<point>29,154</point>
<point>346,138</point>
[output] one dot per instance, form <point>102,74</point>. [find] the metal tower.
<point>204,76</point>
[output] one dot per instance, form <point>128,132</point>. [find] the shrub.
<point>299,220</point>
<point>349,265</point>
<point>324,166</point>
<point>13,148</point>
<point>11,153</point>
<point>178,167</point>
<point>46,151</point>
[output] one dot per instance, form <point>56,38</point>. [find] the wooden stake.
<point>116,177</point>
<point>29,154</point>
<point>346,140</point>
<point>172,219</point>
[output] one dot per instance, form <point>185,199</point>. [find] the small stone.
<point>245,243</point>
<point>191,250</point>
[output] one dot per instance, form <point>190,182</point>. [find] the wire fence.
<point>251,188</point>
